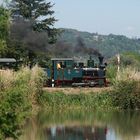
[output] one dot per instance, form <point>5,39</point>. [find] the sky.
<point>120,17</point>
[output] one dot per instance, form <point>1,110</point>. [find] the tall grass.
<point>6,79</point>
<point>18,95</point>
<point>62,101</point>
<point>128,73</point>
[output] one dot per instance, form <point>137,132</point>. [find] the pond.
<point>83,125</point>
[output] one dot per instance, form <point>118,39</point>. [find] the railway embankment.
<point>77,90</point>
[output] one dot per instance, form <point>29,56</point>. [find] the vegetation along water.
<point>22,95</point>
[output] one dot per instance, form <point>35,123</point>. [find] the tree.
<point>39,13</point>
<point>31,30</point>
<point>4,29</point>
<point>26,44</point>
<point>4,22</point>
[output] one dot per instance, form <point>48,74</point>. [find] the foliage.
<point>126,93</point>
<point>18,94</point>
<point>111,73</point>
<point>3,47</point>
<point>30,31</point>
<point>14,108</point>
<point>39,13</point>
<point>29,46</point>
<point>4,29</point>
<point>4,22</point>
<point>131,59</point>
<point>127,59</point>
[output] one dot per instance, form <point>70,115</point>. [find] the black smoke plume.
<point>82,48</point>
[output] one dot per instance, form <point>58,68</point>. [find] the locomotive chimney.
<point>101,60</point>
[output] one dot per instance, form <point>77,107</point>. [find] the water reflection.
<point>75,133</point>
<point>83,125</point>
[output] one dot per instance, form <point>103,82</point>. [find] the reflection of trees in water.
<point>82,124</point>
<point>75,133</point>
<point>32,131</point>
<point>124,122</point>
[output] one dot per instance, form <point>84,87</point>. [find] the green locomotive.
<point>66,72</point>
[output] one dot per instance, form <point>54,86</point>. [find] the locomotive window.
<point>63,64</point>
<point>58,65</point>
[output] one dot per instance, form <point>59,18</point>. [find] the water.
<point>83,125</point>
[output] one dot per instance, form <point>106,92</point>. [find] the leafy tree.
<point>26,44</point>
<point>4,29</point>
<point>39,13</point>
<point>4,22</point>
<point>31,30</point>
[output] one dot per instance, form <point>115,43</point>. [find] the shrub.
<point>126,93</point>
<point>14,108</point>
<point>18,94</point>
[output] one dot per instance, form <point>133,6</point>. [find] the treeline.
<point>107,45</point>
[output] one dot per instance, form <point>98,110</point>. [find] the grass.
<point>64,101</point>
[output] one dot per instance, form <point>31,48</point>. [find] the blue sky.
<point>102,16</point>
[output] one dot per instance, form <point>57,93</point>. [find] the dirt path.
<point>77,90</point>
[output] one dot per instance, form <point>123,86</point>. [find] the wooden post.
<point>118,62</point>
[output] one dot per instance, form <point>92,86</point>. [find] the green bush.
<point>14,108</point>
<point>18,94</point>
<point>126,96</point>
<point>126,93</point>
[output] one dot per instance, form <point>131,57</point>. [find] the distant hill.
<point>107,45</point>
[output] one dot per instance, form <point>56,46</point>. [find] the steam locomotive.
<point>67,72</point>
